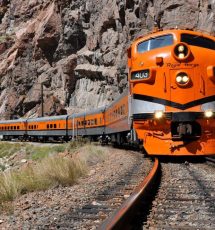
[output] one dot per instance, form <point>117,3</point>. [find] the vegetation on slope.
<point>50,166</point>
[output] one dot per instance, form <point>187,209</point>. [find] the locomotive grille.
<point>185,130</point>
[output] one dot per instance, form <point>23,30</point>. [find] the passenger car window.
<point>194,40</point>
<point>154,43</point>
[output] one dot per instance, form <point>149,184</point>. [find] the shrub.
<point>77,143</point>
<point>49,172</point>
<point>92,154</point>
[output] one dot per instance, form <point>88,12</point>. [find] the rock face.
<point>77,49</point>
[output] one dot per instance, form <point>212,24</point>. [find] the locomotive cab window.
<point>199,41</point>
<point>155,43</point>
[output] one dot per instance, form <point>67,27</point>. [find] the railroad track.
<point>186,198</point>
<point>107,200</point>
<point>127,215</point>
<point>210,159</point>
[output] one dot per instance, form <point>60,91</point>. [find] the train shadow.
<point>182,160</point>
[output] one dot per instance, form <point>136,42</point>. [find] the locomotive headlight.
<point>185,79</point>
<point>181,51</point>
<point>181,55</point>
<point>208,113</point>
<point>179,79</point>
<point>159,114</point>
<point>182,79</point>
<point>181,48</point>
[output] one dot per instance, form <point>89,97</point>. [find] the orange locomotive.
<point>172,88</point>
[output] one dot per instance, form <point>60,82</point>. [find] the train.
<point>168,108</point>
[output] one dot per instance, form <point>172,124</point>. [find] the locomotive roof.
<point>13,121</point>
<point>175,31</point>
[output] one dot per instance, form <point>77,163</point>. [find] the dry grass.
<point>32,151</point>
<point>78,143</point>
<point>47,173</point>
<point>49,168</point>
<point>8,149</point>
<point>92,154</point>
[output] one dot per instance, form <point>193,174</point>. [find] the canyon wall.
<point>76,50</point>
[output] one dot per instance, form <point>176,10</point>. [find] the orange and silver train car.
<point>117,125</point>
<point>87,124</point>
<point>13,129</point>
<point>46,128</point>
<point>172,90</point>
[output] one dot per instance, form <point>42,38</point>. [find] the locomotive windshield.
<point>155,43</point>
<point>194,40</point>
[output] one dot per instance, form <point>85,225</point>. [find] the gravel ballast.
<point>107,184</point>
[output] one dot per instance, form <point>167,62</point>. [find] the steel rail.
<point>121,217</point>
<point>210,159</point>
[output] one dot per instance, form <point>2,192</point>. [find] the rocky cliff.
<point>76,49</point>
